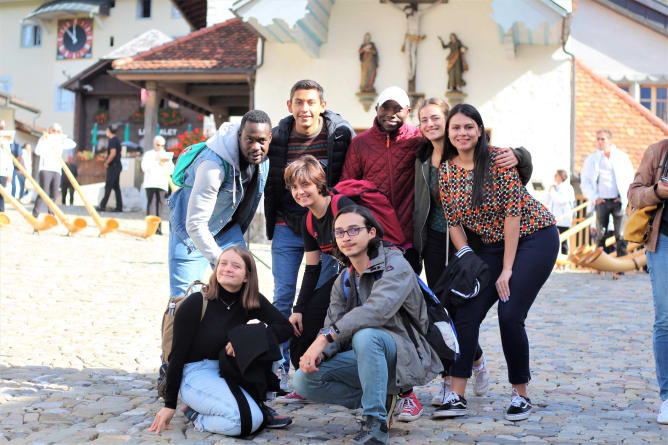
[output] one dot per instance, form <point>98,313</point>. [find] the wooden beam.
<point>182,77</point>
<point>217,90</point>
<point>179,91</point>
<point>228,101</point>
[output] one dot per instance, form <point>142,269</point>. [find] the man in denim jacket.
<point>221,190</point>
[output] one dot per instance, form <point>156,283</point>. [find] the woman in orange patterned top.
<point>520,246</point>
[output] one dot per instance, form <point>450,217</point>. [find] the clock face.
<point>75,39</point>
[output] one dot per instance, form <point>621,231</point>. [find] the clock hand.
<point>74,32</point>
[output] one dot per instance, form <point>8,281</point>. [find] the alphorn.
<point>103,226</point>
<point>77,225</point>
<point>152,223</point>
<point>173,187</point>
<point>47,223</point>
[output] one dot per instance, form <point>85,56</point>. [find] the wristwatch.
<point>328,335</point>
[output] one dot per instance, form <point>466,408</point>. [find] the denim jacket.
<point>222,149</point>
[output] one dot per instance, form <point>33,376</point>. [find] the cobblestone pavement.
<point>79,350</point>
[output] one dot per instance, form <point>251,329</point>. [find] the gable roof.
<point>228,47</point>
<point>600,104</point>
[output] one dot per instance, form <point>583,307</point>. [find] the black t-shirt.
<point>324,240</point>
<point>114,143</point>
<point>196,340</point>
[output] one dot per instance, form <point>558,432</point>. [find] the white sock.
<point>482,364</point>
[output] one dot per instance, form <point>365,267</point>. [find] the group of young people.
<point>454,196</point>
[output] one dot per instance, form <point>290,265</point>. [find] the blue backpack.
<point>440,335</point>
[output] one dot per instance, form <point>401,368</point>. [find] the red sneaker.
<point>293,397</point>
<point>409,408</point>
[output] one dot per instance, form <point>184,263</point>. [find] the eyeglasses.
<point>600,139</point>
<point>159,145</point>
<point>353,231</point>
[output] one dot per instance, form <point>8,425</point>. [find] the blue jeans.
<point>186,267</point>
<point>18,177</point>
<point>657,263</point>
<point>287,251</point>
<point>205,391</point>
<point>355,378</point>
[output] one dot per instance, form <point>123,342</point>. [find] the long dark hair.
<point>369,221</point>
<point>480,154</point>
<point>250,290</point>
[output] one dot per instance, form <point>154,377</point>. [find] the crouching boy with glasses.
<point>364,354</point>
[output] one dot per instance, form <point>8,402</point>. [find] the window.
<point>103,104</point>
<point>6,84</point>
<point>655,99</point>
<point>176,14</point>
<point>31,36</point>
<point>64,100</point>
<point>144,9</point>
<point>626,88</point>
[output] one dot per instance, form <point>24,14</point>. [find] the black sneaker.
<point>520,407</point>
<point>390,406</point>
<point>274,420</point>
<point>372,432</point>
<point>190,413</point>
<point>454,405</point>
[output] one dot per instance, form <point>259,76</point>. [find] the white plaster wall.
<point>525,100</point>
<point>35,72</point>
<point>616,46</point>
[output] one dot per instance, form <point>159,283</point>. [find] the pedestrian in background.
<point>157,165</point>
<point>650,187</point>
<point>114,168</point>
<point>6,165</point>
<point>560,201</point>
<point>606,176</point>
<point>50,149</point>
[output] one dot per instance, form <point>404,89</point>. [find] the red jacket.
<point>387,160</point>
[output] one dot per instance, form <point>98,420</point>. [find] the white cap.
<point>396,94</point>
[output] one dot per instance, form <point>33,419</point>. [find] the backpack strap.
<point>309,223</point>
<point>335,204</point>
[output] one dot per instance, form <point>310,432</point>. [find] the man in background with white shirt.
<point>50,149</point>
<point>605,179</point>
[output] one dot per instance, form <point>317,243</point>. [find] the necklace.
<point>228,305</point>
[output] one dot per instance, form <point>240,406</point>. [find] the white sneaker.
<point>439,399</point>
<point>662,418</point>
<point>481,379</point>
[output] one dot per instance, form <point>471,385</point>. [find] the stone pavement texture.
<point>79,350</point>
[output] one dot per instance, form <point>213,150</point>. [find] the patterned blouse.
<point>508,197</point>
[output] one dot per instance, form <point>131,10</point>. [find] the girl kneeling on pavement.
<point>233,298</point>
<point>520,246</point>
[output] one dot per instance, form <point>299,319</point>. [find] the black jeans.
<point>313,318</point>
<point>66,188</point>
<point>434,265</point>
<point>535,258</point>
<point>157,196</point>
<point>50,182</point>
<point>604,211</point>
<point>3,182</point>
<point>113,183</point>
<point>564,245</point>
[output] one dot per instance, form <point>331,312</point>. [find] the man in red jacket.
<point>385,155</point>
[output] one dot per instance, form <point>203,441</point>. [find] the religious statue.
<point>456,62</point>
<point>412,37</point>
<point>369,63</point>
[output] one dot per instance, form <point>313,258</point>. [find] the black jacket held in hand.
<point>339,135</point>
<point>255,350</point>
<point>465,275</point>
